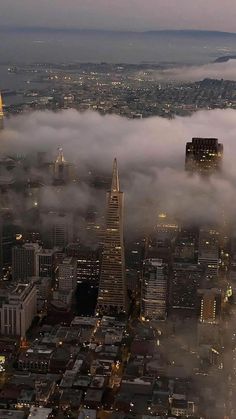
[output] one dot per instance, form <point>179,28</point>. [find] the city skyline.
<point>109,315</point>
<point>149,167</point>
<point>117,286</point>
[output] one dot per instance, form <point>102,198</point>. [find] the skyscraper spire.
<point>115,184</point>
<point>1,112</point>
<point>112,294</point>
<point>60,157</point>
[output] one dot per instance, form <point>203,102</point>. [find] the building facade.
<point>18,312</point>
<point>203,155</point>
<point>208,252</point>
<point>67,278</point>
<point>154,290</point>
<point>44,263</point>
<point>23,261</point>
<point>112,295</point>
<point>1,114</point>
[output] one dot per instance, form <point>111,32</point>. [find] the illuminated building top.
<point>203,155</point>
<point>60,157</point>
<point>115,186</point>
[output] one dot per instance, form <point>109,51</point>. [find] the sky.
<point>120,14</point>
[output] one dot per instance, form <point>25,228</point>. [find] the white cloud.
<point>225,70</point>
<point>150,153</point>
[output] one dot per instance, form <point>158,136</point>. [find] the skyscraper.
<point>185,281</point>
<point>112,295</point>
<point>23,261</point>
<point>67,275</point>
<point>208,252</point>
<point>57,229</point>
<point>1,113</point>
<point>154,290</point>
<point>7,240</point>
<point>44,263</point>
<point>63,171</point>
<point>203,155</point>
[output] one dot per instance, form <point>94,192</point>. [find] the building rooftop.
<point>11,414</point>
<point>87,414</point>
<point>39,412</point>
<point>84,321</point>
<point>20,292</point>
<point>94,395</point>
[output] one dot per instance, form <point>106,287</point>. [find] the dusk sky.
<point>120,14</point>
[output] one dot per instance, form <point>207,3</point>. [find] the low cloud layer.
<point>225,70</point>
<point>150,154</point>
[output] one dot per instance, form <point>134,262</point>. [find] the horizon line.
<point>121,31</point>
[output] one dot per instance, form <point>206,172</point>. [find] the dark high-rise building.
<point>88,261</point>
<point>44,263</point>
<point>203,155</point>
<point>23,261</point>
<point>208,252</point>
<point>1,113</point>
<point>57,229</point>
<point>134,255</point>
<point>185,282</point>
<point>112,295</point>
<point>185,246</point>
<point>67,275</point>
<point>7,240</point>
<point>154,290</point>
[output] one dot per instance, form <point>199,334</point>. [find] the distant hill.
<point>195,33</point>
<point>225,58</point>
<point>175,32</point>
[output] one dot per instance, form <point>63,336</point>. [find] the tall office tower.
<point>154,290</point>
<point>185,282</point>
<point>44,263</point>
<point>203,155</point>
<point>166,228</point>
<point>88,261</point>
<point>7,239</point>
<point>134,255</point>
<point>186,245</point>
<point>184,250</point>
<point>208,252</point>
<point>23,261</point>
<point>18,311</point>
<point>1,114</point>
<point>67,275</point>
<point>210,305</point>
<point>63,171</point>
<point>57,229</point>
<point>32,192</point>
<point>112,295</point>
